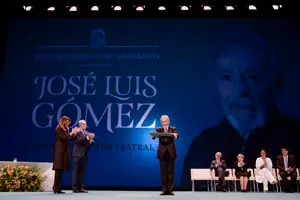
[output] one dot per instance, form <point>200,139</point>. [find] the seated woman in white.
<point>264,167</point>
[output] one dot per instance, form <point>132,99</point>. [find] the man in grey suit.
<point>80,156</point>
<point>220,171</point>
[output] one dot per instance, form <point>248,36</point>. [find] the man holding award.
<point>166,153</point>
<point>80,156</point>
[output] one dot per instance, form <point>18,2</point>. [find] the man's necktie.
<point>285,162</point>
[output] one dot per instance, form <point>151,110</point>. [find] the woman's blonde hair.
<point>63,120</point>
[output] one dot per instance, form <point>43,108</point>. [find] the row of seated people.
<point>285,163</point>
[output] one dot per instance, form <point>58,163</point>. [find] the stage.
<point>136,195</point>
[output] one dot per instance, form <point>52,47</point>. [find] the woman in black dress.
<point>241,172</point>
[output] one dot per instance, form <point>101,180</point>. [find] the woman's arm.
<point>258,163</point>
<point>270,164</point>
<point>62,136</point>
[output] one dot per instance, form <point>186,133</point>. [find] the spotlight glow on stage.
<point>117,8</point>
<point>52,8</point>
<point>140,8</point>
<point>161,8</point>
<point>206,8</point>
<point>184,8</point>
<point>73,9</point>
<point>276,7</point>
<point>27,8</point>
<point>95,8</point>
<point>229,7</point>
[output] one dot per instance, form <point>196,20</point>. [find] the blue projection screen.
<point>228,85</point>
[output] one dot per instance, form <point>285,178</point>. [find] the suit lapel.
<point>282,160</point>
<point>163,130</point>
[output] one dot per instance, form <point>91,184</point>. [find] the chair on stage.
<point>273,173</point>
<point>234,180</point>
<point>279,179</point>
<point>277,185</point>
<point>251,179</point>
<point>202,175</point>
<point>227,178</point>
<point>298,179</point>
<point>231,178</point>
<point>214,179</point>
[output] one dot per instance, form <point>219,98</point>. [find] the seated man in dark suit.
<point>80,156</point>
<point>166,153</point>
<point>287,169</point>
<point>219,166</point>
<point>247,83</point>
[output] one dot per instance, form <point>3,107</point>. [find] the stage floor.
<point>140,195</point>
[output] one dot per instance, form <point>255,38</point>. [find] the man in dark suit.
<point>80,157</point>
<point>287,169</point>
<point>166,153</point>
<point>247,83</point>
<point>219,166</point>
